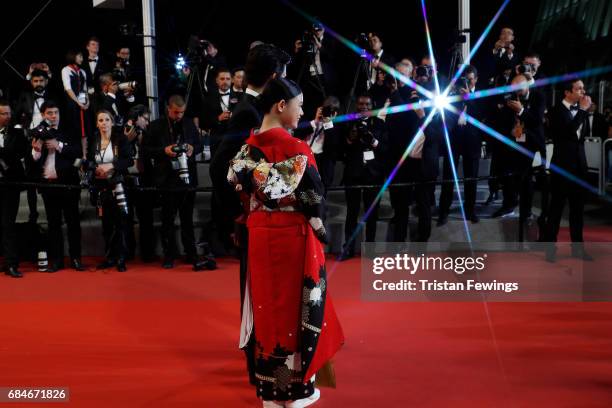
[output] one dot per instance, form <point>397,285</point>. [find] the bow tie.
<point>574,108</point>
<point>224,93</point>
<point>93,60</point>
<point>39,95</point>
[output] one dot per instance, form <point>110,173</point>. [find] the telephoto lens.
<point>120,198</point>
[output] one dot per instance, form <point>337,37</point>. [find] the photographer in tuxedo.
<point>402,128</point>
<point>13,148</point>
<point>504,55</point>
<point>466,141</point>
<point>522,120</point>
<point>28,117</point>
<point>54,155</point>
<point>218,107</point>
<point>363,149</point>
<point>314,58</point>
<point>322,137</point>
<point>566,122</point>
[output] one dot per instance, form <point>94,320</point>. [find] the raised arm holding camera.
<point>323,138</point>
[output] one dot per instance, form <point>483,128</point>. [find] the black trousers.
<point>60,202</point>
<point>141,205</point>
<point>401,198</point>
<point>9,206</point>
<point>422,193</point>
<point>326,168</point>
<point>354,197</point>
<point>183,203</point>
<point>114,227</point>
<point>562,192</point>
<point>470,170</point>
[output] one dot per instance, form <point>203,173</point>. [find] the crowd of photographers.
<point>89,129</point>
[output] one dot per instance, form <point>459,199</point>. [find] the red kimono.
<point>288,315</point>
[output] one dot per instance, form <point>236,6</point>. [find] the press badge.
<point>368,155</point>
<point>328,125</point>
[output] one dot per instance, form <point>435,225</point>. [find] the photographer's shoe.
<point>168,263</point>
<point>502,212</point>
<point>121,267</point>
<point>442,220</point>
<point>77,265</point>
<point>13,272</point>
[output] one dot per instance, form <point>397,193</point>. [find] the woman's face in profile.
<point>293,112</point>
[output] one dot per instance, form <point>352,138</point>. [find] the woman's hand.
<point>104,170</point>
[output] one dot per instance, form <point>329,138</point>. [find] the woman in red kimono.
<point>288,317</point>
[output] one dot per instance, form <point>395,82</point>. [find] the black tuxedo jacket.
<point>210,114</point>
<point>93,78</point>
<point>245,117</point>
<point>15,148</point>
<point>161,134</point>
<point>568,151</point>
<point>25,106</point>
<point>65,167</point>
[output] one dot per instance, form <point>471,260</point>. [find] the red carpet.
<point>154,338</point>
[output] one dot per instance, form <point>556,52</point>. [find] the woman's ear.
<point>281,105</point>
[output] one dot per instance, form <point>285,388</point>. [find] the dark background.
<point>67,24</point>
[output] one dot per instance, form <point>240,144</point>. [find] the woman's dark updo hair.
<point>276,90</point>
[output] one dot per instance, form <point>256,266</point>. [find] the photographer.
<point>29,116</point>
<point>54,155</point>
<point>140,174</point>
<point>402,128</point>
<point>314,57</point>
<point>466,141</point>
<point>108,101</point>
<point>566,122</point>
<point>13,148</point>
<point>218,107</point>
<point>172,143</point>
<point>522,120</point>
<point>504,55</point>
<point>123,74</point>
<point>323,139</point>
<point>423,160</point>
<point>109,157</point>
<point>363,149</point>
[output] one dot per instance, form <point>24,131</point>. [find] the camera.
<point>124,86</point>
<point>424,71</point>
<point>3,168</point>
<point>526,68</point>
<point>119,193</point>
<point>196,51</point>
<point>89,172</point>
<point>180,163</point>
<point>363,131</point>
<point>115,180</point>
<point>362,41</point>
<point>328,111</point>
<point>43,132</point>
<point>463,83</point>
